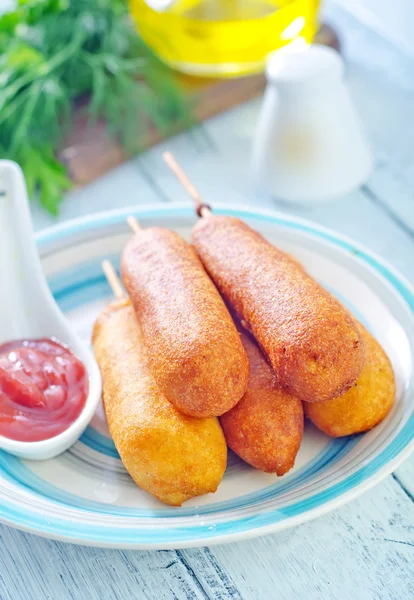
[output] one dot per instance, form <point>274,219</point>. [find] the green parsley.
<point>55,51</point>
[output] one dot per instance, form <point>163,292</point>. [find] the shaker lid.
<point>293,69</point>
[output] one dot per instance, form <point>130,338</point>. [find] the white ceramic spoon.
<point>28,309</point>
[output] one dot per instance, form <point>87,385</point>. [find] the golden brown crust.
<point>266,427</point>
<point>311,341</point>
<point>170,455</point>
<point>366,404</point>
<point>194,348</point>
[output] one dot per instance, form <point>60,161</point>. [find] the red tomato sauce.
<point>43,389</point>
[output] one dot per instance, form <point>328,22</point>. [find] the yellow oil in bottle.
<point>222,37</point>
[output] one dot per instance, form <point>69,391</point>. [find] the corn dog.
<point>170,455</point>
<point>194,349</point>
<point>310,340</point>
<point>265,428</point>
<point>366,404</point>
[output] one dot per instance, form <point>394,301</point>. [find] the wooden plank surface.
<point>89,152</point>
<point>33,568</point>
<point>386,112</point>
<point>360,552</point>
<point>103,194</point>
<point>364,551</point>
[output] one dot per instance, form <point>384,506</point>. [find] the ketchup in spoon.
<point>43,389</point>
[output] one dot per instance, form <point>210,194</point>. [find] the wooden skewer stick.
<point>202,209</point>
<point>113,279</point>
<point>134,224</point>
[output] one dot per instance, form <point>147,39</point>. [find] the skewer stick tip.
<point>134,224</point>
<point>168,157</point>
<point>113,279</point>
<point>202,209</point>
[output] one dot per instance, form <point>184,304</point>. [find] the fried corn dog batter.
<point>366,404</point>
<point>265,428</point>
<point>170,455</point>
<point>310,340</point>
<point>194,349</point>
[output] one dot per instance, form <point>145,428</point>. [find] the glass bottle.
<point>222,38</point>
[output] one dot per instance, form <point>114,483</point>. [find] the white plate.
<point>85,496</point>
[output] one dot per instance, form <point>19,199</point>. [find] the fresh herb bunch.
<point>52,52</point>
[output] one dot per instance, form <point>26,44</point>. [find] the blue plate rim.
<point>232,530</point>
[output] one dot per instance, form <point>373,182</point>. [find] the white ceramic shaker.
<point>309,145</point>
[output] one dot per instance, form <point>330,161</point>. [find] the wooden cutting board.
<point>89,151</point>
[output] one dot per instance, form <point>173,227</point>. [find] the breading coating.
<point>366,404</point>
<point>195,351</point>
<point>170,455</point>
<point>265,428</point>
<point>310,339</point>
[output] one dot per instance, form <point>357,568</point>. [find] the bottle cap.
<point>305,69</point>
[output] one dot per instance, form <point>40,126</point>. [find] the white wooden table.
<point>363,551</point>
